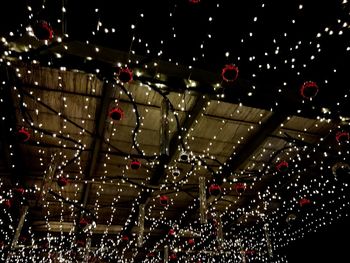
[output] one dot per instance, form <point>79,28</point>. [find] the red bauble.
<point>125,238</point>
<point>304,202</point>
<point>135,164</point>
<point>62,181</point>
<point>215,189</point>
<point>116,114</point>
<point>23,135</point>
<point>150,255</point>
<point>172,257</point>
<point>83,222</point>
<point>191,242</point>
<point>194,1</point>
<point>342,136</point>
<point>19,190</point>
<point>125,75</point>
<point>309,89</point>
<point>7,203</point>
<point>80,243</point>
<point>240,188</point>
<point>229,73</point>
<point>163,200</point>
<point>171,232</point>
<point>42,30</point>
<point>282,166</point>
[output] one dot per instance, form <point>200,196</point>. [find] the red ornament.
<point>2,244</point>
<point>240,188</point>
<point>171,232</point>
<point>83,222</point>
<point>7,203</point>
<point>135,164</point>
<point>150,255</point>
<point>342,136</point>
<point>303,202</point>
<point>23,135</point>
<point>19,190</point>
<point>116,114</point>
<point>249,252</point>
<point>125,238</point>
<point>229,73</point>
<point>80,243</point>
<point>191,242</point>
<point>309,89</point>
<point>125,75</point>
<point>215,189</point>
<point>194,1</point>
<point>173,256</point>
<point>62,181</point>
<point>42,30</point>
<point>163,200</point>
<point>282,166</point>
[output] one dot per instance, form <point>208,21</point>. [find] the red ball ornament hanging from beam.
<point>342,136</point>
<point>83,222</point>
<point>62,181</point>
<point>125,238</point>
<point>7,204</point>
<point>240,188</point>
<point>116,114</point>
<point>282,166</point>
<point>304,202</point>
<point>135,164</point>
<point>163,200</point>
<point>215,189</point>
<point>173,257</point>
<point>42,30</point>
<point>191,242</point>
<point>23,135</point>
<point>125,74</point>
<point>309,90</point>
<point>229,73</point>
<point>19,190</point>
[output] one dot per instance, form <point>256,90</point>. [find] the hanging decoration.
<point>83,222</point>
<point>191,242</point>
<point>342,136</point>
<point>42,30</point>
<point>19,190</point>
<point>184,156</point>
<point>135,164</point>
<point>304,202</point>
<point>7,203</point>
<point>23,135</point>
<point>215,189</point>
<point>240,188</point>
<point>163,200</point>
<point>62,181</point>
<point>282,166</point>
<point>309,90</point>
<point>229,73</point>
<point>116,114</point>
<point>125,74</point>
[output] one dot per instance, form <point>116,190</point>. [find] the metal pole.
<point>166,254</point>
<point>164,129</point>
<point>268,240</point>
<point>203,200</point>
<point>141,225</point>
<point>220,234</point>
<point>19,227</point>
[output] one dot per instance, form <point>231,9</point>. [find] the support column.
<point>19,227</point>
<point>268,240</point>
<point>220,234</point>
<point>141,225</point>
<point>164,129</point>
<point>166,254</point>
<point>203,200</point>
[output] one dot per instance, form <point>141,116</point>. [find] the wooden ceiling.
<point>62,94</point>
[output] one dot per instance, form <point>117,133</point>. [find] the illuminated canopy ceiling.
<point>134,131</point>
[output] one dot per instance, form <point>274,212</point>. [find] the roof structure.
<point>187,131</point>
